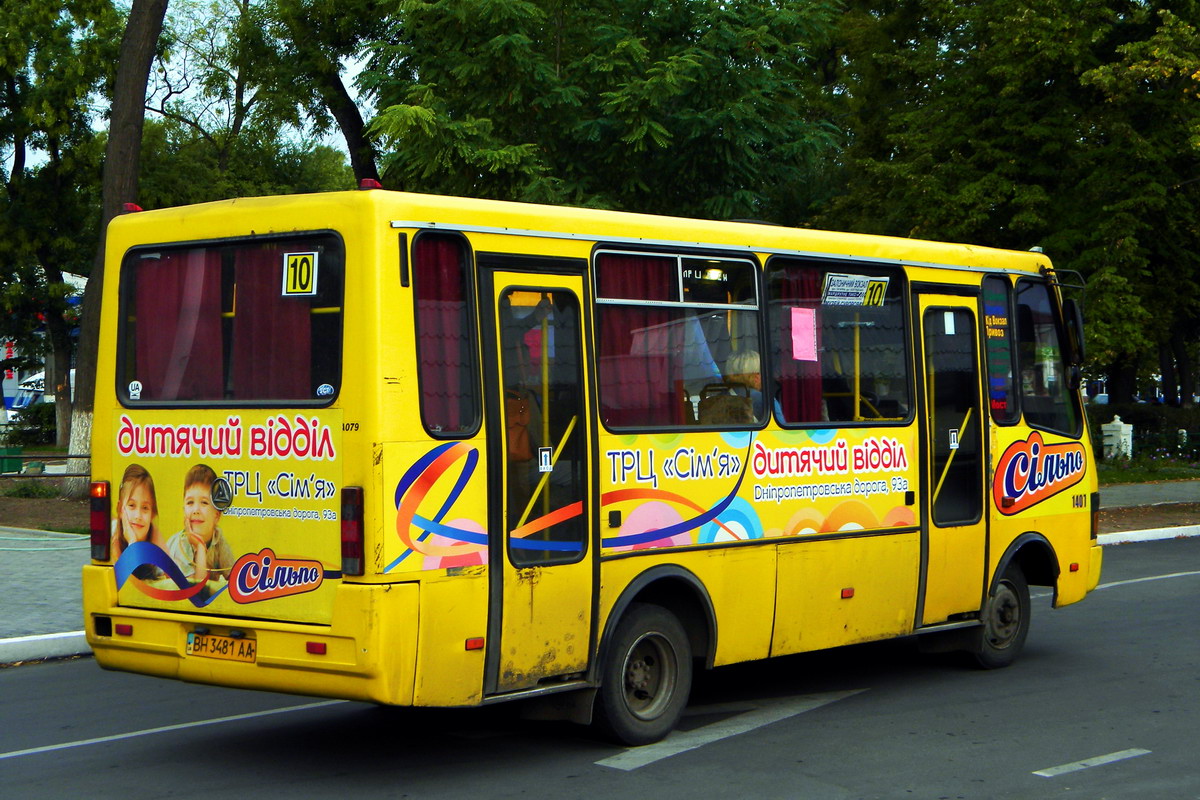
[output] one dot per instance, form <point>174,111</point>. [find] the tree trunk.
<point>1122,381</point>
<point>119,186</point>
<point>1183,367</point>
<point>1168,377</point>
<point>350,121</point>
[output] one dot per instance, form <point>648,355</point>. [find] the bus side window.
<point>446,334</point>
<point>668,326</point>
<point>838,342</point>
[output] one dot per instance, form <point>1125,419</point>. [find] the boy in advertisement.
<point>200,550</point>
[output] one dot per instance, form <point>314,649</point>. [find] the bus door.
<point>954,527</point>
<point>543,583</point>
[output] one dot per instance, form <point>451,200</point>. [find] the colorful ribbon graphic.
<point>144,553</point>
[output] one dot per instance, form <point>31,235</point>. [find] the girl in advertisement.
<point>200,550</point>
<point>137,517</point>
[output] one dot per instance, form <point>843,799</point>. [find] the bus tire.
<point>1005,619</point>
<point>646,677</point>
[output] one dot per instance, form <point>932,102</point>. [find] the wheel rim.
<point>1004,617</point>
<point>651,671</point>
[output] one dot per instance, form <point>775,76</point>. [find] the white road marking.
<point>1150,578</point>
<point>1039,595</point>
<point>165,729</point>
<point>754,717</point>
<point>1097,761</point>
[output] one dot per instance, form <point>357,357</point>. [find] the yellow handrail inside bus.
<point>546,475</point>
<point>950,460</point>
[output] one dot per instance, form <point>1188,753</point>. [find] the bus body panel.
<point>738,581</point>
<point>836,592</point>
<point>371,656</point>
<point>454,607</point>
<point>785,566</point>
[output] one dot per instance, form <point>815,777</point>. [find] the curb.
<point>74,643</point>
<point>1125,537</point>
<point>46,645</point>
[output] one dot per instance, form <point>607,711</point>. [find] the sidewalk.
<point>1128,495</point>
<point>40,605</point>
<point>41,598</point>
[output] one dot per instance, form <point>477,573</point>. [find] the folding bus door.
<point>953,461</point>
<point>542,593</point>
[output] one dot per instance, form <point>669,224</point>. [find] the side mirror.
<point>1073,316</point>
<point>1074,377</point>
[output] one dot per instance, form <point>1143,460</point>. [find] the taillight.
<point>352,530</point>
<point>100,533</point>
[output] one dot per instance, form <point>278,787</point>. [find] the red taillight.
<point>130,208</point>
<point>99,520</point>
<point>369,183</point>
<point>352,530</point>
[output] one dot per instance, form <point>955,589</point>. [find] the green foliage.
<point>32,428</point>
<point>700,108</point>
<point>230,112</point>
<point>54,59</point>
<point>31,489</point>
<point>1063,124</point>
<point>181,167</point>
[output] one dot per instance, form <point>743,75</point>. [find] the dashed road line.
<point>1088,763</point>
<point>165,729</point>
<point>754,717</point>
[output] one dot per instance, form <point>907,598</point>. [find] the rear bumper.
<point>1094,569</point>
<point>370,646</point>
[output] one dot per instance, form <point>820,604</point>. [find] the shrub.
<point>35,426</point>
<point>32,488</point>
<point>1155,429</point>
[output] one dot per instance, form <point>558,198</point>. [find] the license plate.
<point>225,648</point>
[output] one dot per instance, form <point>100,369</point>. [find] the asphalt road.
<point>1103,704</point>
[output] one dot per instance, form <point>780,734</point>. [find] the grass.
<point>69,529</point>
<point>1146,469</point>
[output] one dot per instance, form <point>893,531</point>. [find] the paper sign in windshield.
<point>842,289</point>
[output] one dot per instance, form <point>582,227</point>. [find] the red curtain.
<point>177,308</point>
<point>443,328</point>
<point>636,375</point>
<point>799,381</point>
<point>272,342</point>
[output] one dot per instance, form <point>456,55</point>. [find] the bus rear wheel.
<point>1005,619</point>
<point>647,676</point>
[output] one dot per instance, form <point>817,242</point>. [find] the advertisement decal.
<point>1031,471</point>
<point>228,512</point>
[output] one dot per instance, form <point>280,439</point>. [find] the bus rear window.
<point>231,323</point>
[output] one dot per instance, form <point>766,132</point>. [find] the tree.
<point>314,37</point>
<point>698,108</point>
<point>181,167</point>
<point>120,181</point>
<point>1153,89</point>
<point>993,122</point>
<point>53,57</point>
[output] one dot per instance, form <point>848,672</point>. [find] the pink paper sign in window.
<point>804,334</point>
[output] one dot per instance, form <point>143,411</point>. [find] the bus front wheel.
<point>1005,621</point>
<point>647,676</point>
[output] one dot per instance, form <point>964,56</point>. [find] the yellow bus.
<point>432,451</point>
